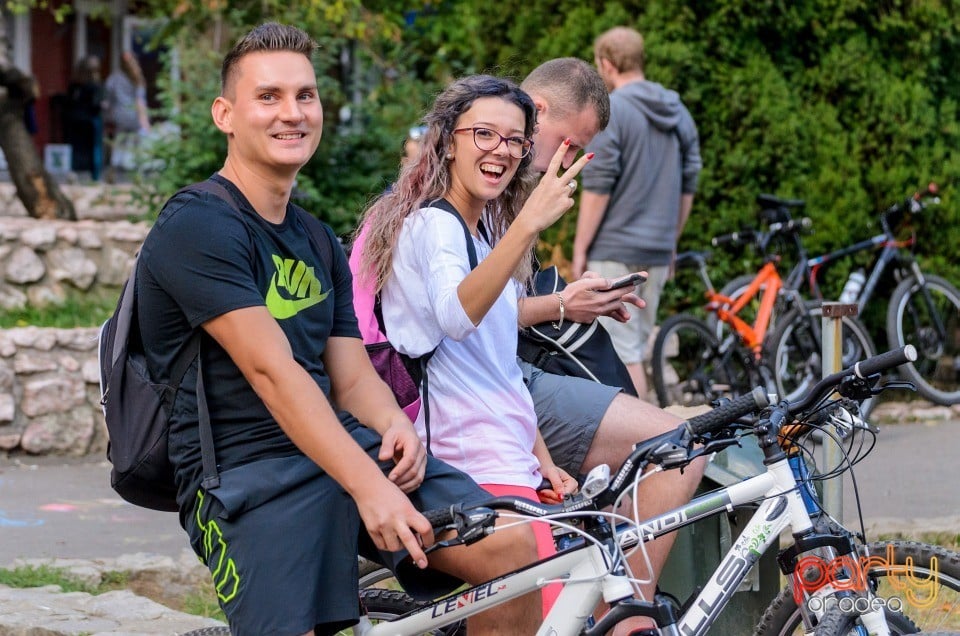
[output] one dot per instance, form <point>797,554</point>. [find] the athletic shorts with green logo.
<point>281,539</point>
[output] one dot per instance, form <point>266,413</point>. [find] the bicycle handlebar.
<point>439,517</point>
<point>741,237</point>
<point>915,203</point>
<point>883,361</point>
<point>726,413</point>
<point>761,238</point>
<point>863,369</point>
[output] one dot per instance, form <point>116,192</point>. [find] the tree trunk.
<point>36,189</point>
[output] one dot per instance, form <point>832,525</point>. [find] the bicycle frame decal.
<point>467,598</point>
<point>781,509</point>
<point>847,573</point>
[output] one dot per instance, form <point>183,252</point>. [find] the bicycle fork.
<point>831,571</point>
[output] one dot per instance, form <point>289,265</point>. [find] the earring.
<point>449,155</point>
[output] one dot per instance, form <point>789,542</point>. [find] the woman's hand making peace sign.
<point>554,194</point>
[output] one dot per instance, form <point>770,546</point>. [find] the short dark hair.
<point>570,85</point>
<point>269,36</point>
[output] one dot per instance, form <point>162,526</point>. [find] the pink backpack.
<point>386,360</point>
<point>406,376</point>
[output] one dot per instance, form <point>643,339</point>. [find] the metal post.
<point>832,357</point>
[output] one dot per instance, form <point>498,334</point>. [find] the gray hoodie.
<point>646,157</point>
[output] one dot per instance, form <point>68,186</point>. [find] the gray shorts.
<point>281,539</point>
<point>569,410</point>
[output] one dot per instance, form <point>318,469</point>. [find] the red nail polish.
<point>590,155</point>
<point>566,141</point>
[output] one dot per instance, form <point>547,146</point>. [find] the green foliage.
<point>848,105</point>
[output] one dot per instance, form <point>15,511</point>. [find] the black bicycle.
<point>923,310</point>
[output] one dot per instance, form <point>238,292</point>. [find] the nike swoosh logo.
<point>297,279</point>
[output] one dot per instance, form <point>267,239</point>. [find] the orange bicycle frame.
<point>727,308</point>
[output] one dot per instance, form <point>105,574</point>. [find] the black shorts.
<point>281,539</point>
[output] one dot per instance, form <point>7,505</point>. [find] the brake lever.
<point>894,384</point>
<point>714,446</point>
<point>470,527</point>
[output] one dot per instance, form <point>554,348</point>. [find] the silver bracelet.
<point>559,324</point>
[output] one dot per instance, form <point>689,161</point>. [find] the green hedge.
<point>849,105</point>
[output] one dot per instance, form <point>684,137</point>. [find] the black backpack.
<point>580,349</point>
<point>137,409</point>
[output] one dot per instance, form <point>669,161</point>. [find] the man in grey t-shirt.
<point>638,190</point>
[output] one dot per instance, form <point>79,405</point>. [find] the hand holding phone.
<point>630,279</point>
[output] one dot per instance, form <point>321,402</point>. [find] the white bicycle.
<point>855,598</point>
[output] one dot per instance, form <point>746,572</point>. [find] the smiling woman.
<point>472,174</point>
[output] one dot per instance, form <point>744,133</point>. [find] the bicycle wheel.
<point>794,351</point>
<point>910,320</point>
<point>690,368</point>
<point>927,571</point>
<point>218,630</point>
<point>385,605</point>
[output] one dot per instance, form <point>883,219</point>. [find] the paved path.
<point>59,507</point>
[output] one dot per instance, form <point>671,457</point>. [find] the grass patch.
<point>77,310</point>
<point>42,575</point>
<point>945,539</point>
<point>203,602</point>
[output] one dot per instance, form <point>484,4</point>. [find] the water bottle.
<point>851,291</point>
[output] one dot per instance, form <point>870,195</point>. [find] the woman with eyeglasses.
<point>474,162</point>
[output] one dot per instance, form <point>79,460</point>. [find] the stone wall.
<point>49,392</point>
<point>49,379</point>
<point>41,261</point>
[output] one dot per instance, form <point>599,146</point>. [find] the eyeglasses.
<point>486,139</point>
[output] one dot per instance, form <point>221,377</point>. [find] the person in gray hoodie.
<point>638,190</point>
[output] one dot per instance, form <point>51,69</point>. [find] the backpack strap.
<point>211,476</point>
<point>446,206</point>
<point>318,236</point>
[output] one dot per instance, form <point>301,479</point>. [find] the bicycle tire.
<point>216,630</point>
<point>782,616</point>
<point>372,573</point>
<point>688,367</point>
<point>794,351</point>
<point>936,373</point>
<point>385,605</point>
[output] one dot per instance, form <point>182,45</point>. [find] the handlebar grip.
<point>791,227</point>
<point>439,517</point>
<point>730,412</point>
<point>734,238</point>
<point>884,361</point>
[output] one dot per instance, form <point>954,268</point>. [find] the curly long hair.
<point>428,178</point>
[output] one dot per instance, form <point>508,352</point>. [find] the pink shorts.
<point>541,531</point>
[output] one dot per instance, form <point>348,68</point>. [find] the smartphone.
<point>626,281</point>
